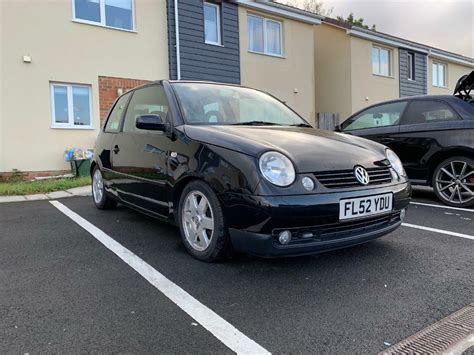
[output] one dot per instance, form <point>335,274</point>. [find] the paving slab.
<point>80,191</point>
<point>58,194</point>
<point>4,199</point>
<point>36,197</point>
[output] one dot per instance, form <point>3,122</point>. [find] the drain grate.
<point>439,336</point>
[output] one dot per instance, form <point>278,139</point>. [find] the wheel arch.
<point>177,189</point>
<point>442,155</point>
<point>93,165</point>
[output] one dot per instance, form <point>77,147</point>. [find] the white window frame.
<point>411,66</point>
<point>390,61</point>
<point>102,22</point>
<point>265,41</point>
<point>70,106</point>
<point>445,76</point>
<point>218,24</point>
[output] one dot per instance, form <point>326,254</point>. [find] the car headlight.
<point>277,169</point>
<point>395,162</point>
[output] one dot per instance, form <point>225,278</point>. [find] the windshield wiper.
<point>301,125</point>
<point>255,123</point>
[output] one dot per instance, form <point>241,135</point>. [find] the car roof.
<point>465,109</point>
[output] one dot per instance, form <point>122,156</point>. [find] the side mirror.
<point>151,123</point>
<point>338,128</point>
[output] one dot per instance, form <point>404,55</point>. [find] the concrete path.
<point>76,191</point>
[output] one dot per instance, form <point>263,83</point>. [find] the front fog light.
<point>284,237</point>
<point>403,214</point>
<point>308,183</point>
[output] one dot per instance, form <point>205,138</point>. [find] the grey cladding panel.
<point>418,86</point>
<point>201,61</point>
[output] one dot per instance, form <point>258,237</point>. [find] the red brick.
<point>108,87</point>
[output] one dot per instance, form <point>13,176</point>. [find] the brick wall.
<point>108,91</point>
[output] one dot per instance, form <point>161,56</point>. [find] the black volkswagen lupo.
<point>236,169</point>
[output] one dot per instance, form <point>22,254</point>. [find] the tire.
<point>201,223</point>
<point>453,181</point>
<point>101,200</point>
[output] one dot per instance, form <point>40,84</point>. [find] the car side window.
<point>377,116</point>
<point>150,100</point>
<point>113,123</point>
<point>427,111</point>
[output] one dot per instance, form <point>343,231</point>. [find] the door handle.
<point>387,140</point>
<point>116,149</point>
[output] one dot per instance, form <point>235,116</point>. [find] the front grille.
<point>339,230</point>
<point>346,178</point>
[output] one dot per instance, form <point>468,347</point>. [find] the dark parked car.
<point>236,169</point>
<point>432,135</point>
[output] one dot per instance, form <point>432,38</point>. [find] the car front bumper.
<point>255,221</point>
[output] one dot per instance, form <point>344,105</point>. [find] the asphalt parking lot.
<point>61,290</point>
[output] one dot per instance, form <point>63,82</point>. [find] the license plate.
<point>365,206</point>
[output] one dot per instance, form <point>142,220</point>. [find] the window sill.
<point>440,87</point>
<point>268,54</point>
<point>88,128</point>
<point>214,44</point>
<point>84,22</point>
<point>411,80</point>
<point>384,76</point>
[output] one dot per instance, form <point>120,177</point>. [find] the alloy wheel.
<point>197,220</point>
<point>455,182</point>
<point>97,186</point>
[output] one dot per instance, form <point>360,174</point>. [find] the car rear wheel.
<point>201,223</point>
<point>453,181</point>
<point>99,195</point>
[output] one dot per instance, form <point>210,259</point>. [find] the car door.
<point>425,128</point>
<point>140,156</point>
<point>105,152</point>
<point>379,123</point>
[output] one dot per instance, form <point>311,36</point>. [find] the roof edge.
<point>282,10</point>
<point>377,37</point>
<point>402,43</point>
<point>440,54</point>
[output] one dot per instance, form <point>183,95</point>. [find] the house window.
<point>411,66</point>
<point>439,75</point>
<point>71,106</point>
<point>381,61</point>
<point>108,13</point>
<point>212,23</point>
<point>264,35</point>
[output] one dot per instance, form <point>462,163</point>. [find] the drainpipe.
<point>428,71</point>
<point>176,29</point>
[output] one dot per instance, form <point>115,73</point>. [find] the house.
<point>356,67</point>
<point>64,63</point>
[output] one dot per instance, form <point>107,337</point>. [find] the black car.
<point>236,169</point>
<point>432,135</point>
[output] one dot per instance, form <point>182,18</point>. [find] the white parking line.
<point>441,206</point>
<point>217,326</point>
<point>441,231</point>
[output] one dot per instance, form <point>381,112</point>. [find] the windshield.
<point>214,104</point>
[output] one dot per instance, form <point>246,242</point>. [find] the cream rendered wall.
<point>280,76</point>
<point>65,51</point>
<point>453,72</point>
<point>2,75</point>
<point>332,51</point>
<point>364,83</point>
